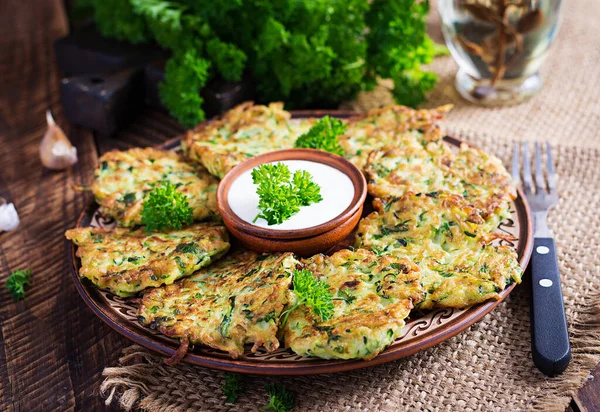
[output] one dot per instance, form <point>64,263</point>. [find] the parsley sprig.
<point>280,399</point>
<point>166,208</point>
<point>324,136</point>
<point>280,194</point>
<point>313,293</point>
<point>16,283</point>
<point>232,387</point>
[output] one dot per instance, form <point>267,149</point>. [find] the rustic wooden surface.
<point>52,348</point>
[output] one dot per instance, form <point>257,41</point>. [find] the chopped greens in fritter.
<point>372,296</point>
<point>450,242</point>
<point>235,301</point>
<point>125,262</point>
<point>389,126</point>
<point>243,132</point>
<point>481,179</point>
<point>123,181</point>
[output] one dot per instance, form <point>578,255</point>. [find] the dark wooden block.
<point>220,96</point>
<point>103,102</point>
<point>87,52</point>
<point>154,73</point>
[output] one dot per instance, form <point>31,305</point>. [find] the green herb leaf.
<point>166,208</point>
<point>313,293</point>
<point>398,45</point>
<point>307,191</point>
<point>280,399</point>
<point>16,283</point>
<point>185,75</point>
<point>187,248</point>
<point>280,194</point>
<point>232,387</point>
<point>324,136</point>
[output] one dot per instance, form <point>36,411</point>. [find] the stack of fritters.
<point>430,242</point>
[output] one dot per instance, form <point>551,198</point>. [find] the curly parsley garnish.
<point>280,194</point>
<point>166,208</point>
<point>280,399</point>
<point>16,283</point>
<point>232,387</point>
<point>324,136</point>
<point>313,293</point>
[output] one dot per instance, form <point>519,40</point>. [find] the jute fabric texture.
<point>488,367</point>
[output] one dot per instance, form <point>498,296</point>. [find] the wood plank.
<point>150,128</point>
<point>588,397</point>
<point>53,348</point>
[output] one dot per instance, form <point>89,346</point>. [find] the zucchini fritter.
<point>372,297</point>
<point>243,132</point>
<point>449,241</point>
<point>237,300</point>
<point>122,180</point>
<point>390,126</point>
<point>125,262</point>
<point>481,179</point>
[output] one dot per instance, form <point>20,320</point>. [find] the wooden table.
<point>52,348</point>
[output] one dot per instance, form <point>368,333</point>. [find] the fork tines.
<point>529,179</point>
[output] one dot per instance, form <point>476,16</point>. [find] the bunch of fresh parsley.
<point>280,194</point>
<point>304,52</point>
<point>324,136</point>
<point>313,293</point>
<point>166,208</point>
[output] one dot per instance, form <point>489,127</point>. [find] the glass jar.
<point>499,46</point>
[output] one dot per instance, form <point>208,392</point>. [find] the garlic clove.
<point>56,151</point>
<point>9,218</point>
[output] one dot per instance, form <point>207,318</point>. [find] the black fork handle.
<point>550,346</point>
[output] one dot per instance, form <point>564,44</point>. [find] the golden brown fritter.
<point>481,179</point>
<point>243,132</point>
<point>390,126</point>
<point>122,180</point>
<point>372,297</point>
<point>237,300</point>
<point>449,241</point>
<point>125,262</point>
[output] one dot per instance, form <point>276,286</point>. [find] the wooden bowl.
<point>303,242</point>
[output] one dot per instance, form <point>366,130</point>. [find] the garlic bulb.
<point>9,219</point>
<point>56,151</point>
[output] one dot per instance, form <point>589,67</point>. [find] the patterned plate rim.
<point>95,301</point>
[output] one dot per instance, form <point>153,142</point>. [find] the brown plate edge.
<point>322,366</point>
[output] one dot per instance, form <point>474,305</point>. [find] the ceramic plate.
<point>418,334</point>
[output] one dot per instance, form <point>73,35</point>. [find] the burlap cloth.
<point>488,367</point>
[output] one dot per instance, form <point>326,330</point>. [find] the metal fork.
<point>550,347</point>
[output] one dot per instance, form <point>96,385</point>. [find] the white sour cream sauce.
<point>337,192</point>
